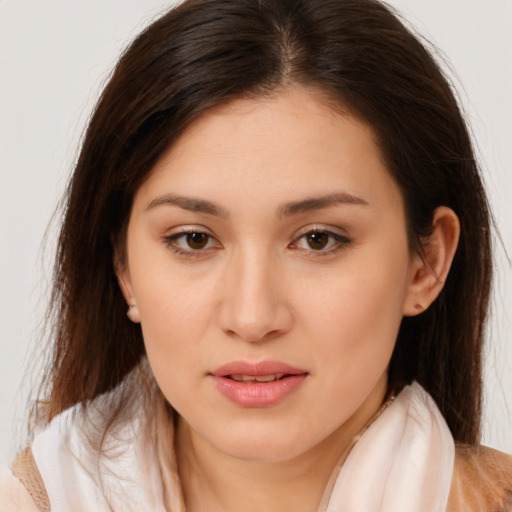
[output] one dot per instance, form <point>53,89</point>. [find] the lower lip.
<point>258,394</point>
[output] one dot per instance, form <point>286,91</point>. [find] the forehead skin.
<point>253,146</point>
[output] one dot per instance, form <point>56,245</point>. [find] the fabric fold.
<point>404,461</point>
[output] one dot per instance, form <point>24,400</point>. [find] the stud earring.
<point>419,307</point>
<point>133,313</point>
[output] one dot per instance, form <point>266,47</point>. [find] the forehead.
<point>287,146</point>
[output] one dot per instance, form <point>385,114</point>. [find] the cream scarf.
<point>402,462</point>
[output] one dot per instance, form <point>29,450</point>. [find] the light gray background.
<point>54,57</point>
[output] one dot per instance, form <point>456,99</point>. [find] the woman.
<point>272,279</point>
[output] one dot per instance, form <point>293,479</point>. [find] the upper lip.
<point>256,369</point>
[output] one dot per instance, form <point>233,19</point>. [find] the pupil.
<point>318,241</point>
<point>197,240</point>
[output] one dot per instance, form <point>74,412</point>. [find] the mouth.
<point>262,371</point>
<point>257,385</point>
<point>257,378</point>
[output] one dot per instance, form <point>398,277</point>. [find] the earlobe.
<point>124,281</point>
<point>429,270</point>
<point>133,313</point>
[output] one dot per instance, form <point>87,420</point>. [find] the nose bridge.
<point>253,307</point>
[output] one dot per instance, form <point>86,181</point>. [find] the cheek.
<point>170,298</point>
<point>173,326</point>
<point>173,317</point>
<point>357,313</point>
<point>175,313</point>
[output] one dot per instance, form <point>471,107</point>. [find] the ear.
<point>429,270</point>
<point>125,284</point>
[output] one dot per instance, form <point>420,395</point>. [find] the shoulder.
<point>482,481</point>
<point>14,495</point>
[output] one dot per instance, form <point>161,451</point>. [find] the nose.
<point>254,306</point>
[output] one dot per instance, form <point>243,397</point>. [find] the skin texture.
<point>257,288</point>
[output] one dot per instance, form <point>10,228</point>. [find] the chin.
<point>263,453</point>
<point>262,446</point>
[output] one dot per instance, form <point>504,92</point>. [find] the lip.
<point>257,394</point>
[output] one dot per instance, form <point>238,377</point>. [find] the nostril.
<point>255,337</point>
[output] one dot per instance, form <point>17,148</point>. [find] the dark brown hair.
<point>208,52</point>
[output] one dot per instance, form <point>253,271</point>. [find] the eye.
<point>321,241</point>
<point>196,241</point>
<point>191,243</point>
<point>318,240</point>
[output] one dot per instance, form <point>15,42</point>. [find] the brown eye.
<point>192,244</point>
<point>197,241</point>
<point>320,242</point>
<point>317,241</point>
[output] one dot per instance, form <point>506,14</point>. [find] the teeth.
<point>269,378</point>
<point>260,378</point>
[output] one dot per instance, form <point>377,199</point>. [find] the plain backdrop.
<point>55,55</point>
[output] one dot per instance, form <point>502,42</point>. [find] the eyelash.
<point>340,242</point>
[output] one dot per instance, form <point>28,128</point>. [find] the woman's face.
<point>268,258</point>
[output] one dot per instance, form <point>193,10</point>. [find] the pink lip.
<point>257,394</point>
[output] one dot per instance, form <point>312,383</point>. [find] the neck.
<point>214,481</point>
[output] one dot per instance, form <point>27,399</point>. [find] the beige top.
<point>15,497</point>
<point>25,486</point>
<point>482,481</point>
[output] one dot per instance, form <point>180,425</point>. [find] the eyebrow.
<point>188,203</point>
<point>319,202</point>
<point>286,210</point>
